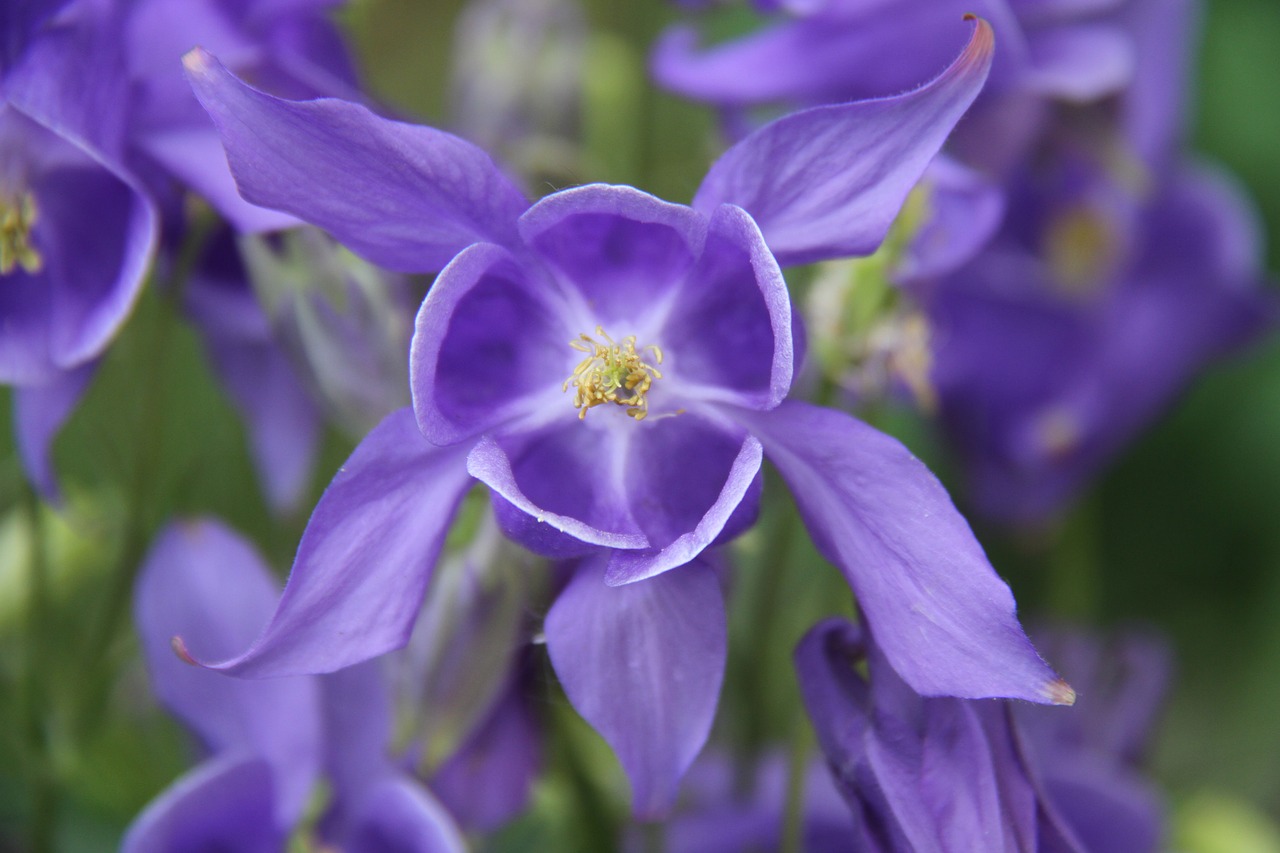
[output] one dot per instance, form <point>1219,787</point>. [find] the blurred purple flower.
<point>942,774</point>
<point>714,815</point>
<point>269,742</point>
<point>76,233</point>
<point>656,454</point>
<point>1121,269</point>
<point>826,52</point>
<point>1082,321</point>
<point>296,328</point>
<point>290,47</point>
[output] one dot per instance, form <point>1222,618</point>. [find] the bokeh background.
<point>1181,535</point>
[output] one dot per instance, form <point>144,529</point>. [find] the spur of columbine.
<point>638,471</point>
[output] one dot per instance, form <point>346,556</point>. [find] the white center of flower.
<point>613,372</point>
<point>17,216</point>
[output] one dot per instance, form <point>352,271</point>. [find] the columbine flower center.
<point>16,249</point>
<point>1082,250</point>
<point>613,372</point>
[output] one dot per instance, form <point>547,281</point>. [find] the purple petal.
<point>194,155</point>
<point>489,780</point>
<point>686,479</point>
<point>964,210</point>
<point>828,182</point>
<point>400,815</point>
<point>1080,63</point>
<point>622,250</point>
<point>203,581</point>
<point>554,478</point>
<point>224,804</point>
<point>39,411</point>
<point>283,422</point>
<point>485,348</point>
<point>826,58</point>
<point>70,71</point>
<point>1154,107</point>
<point>365,558</point>
<point>1110,810</point>
<point>729,336</point>
<point>406,197</point>
<point>95,233</point>
<point>943,617</point>
<point>643,663</point>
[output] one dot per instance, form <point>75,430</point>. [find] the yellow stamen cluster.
<point>16,250</point>
<point>1082,251</point>
<point>612,373</point>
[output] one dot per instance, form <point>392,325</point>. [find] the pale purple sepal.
<point>404,196</point>
<point>398,814</point>
<point>964,209</point>
<point>643,664</point>
<point>39,411</point>
<point>283,423</point>
<point>488,781</point>
<point>828,182</point>
<point>365,558</point>
<point>203,582</point>
<point>1153,110</point>
<point>195,157</point>
<point>943,616</point>
<point>224,804</point>
<point>1080,63</point>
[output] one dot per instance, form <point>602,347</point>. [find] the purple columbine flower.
<point>76,233</point>
<point>613,367</point>
<point>1121,269</point>
<point>943,774</point>
<point>827,51</point>
<point>270,741</point>
<point>291,48</point>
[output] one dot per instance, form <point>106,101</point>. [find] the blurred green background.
<point>1181,534</point>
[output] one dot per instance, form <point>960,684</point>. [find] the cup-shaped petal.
<point>489,346</point>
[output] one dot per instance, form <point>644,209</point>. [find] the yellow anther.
<point>1082,250</point>
<point>612,367</point>
<point>16,220</point>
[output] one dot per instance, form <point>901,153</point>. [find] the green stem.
<point>1073,565</point>
<point>39,707</point>
<point>797,774</point>
<point>105,628</point>
<point>760,640</point>
<point>655,837</point>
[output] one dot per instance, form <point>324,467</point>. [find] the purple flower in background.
<point>1121,269</point>
<point>942,774</point>
<point>613,367</point>
<point>291,48</point>
<point>76,234</point>
<point>714,814</point>
<point>270,741</point>
<point>1082,321</point>
<point>297,328</point>
<point>837,50</point>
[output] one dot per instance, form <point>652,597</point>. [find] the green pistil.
<point>16,249</point>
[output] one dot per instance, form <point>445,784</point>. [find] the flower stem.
<point>103,631</point>
<point>43,773</point>
<point>797,773</point>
